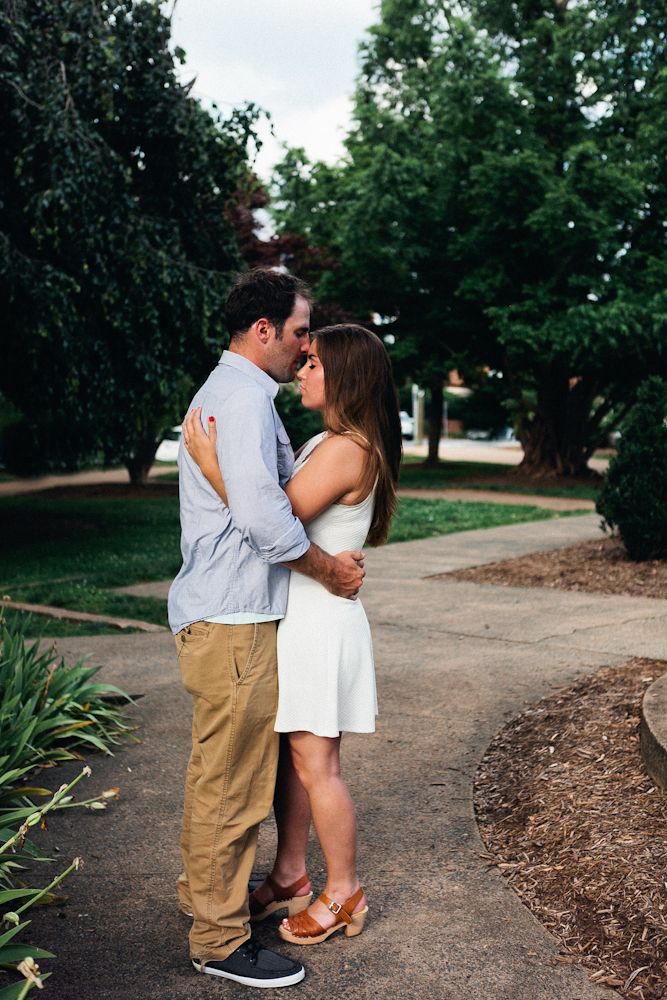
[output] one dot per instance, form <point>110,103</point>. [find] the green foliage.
<point>49,712</point>
<point>18,816</point>
<point>48,709</point>
<point>488,406</point>
<point>301,424</point>
<point>634,495</point>
<point>116,247</point>
<point>503,197</point>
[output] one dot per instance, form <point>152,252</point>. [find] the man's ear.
<point>262,329</point>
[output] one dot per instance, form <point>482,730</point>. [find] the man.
<point>224,606</point>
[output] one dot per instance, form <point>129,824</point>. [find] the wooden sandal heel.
<point>306,930</point>
<point>357,924</point>
<point>285,898</point>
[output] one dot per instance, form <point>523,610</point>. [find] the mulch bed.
<point>601,567</point>
<point>576,826</point>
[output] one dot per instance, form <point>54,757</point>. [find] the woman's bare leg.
<point>292,812</point>
<point>317,764</point>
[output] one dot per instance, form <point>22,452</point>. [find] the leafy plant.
<point>47,709</point>
<point>501,203</point>
<point>116,245</point>
<point>634,495</point>
<point>15,849</point>
<point>48,712</point>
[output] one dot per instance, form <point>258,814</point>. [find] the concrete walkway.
<point>455,662</point>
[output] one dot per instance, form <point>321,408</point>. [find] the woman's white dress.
<point>326,674</point>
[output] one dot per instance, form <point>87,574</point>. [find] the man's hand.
<point>347,574</point>
<point>343,575</point>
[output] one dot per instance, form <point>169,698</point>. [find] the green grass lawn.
<point>417,518</point>
<point>68,553</point>
<point>36,626</point>
<point>474,476</point>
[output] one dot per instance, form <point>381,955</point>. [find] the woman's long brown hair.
<point>360,400</point>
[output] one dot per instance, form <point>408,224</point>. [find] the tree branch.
<point>28,100</point>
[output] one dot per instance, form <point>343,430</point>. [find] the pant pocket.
<point>241,648</point>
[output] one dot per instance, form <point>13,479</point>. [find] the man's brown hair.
<point>262,293</point>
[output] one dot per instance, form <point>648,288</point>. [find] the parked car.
<point>407,424</point>
<point>478,435</point>
<point>168,448</point>
<point>505,435</point>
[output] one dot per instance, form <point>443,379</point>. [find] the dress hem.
<point>307,729</point>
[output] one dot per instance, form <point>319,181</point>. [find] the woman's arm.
<point>202,447</point>
<point>331,473</point>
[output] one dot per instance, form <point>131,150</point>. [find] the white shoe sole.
<point>265,984</point>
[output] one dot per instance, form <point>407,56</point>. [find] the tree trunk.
<point>138,463</point>
<point>559,435</point>
<point>435,415</point>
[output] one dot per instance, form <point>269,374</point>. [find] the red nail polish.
<point>211,420</point>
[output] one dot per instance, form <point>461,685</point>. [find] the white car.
<point>407,424</point>
<point>168,448</point>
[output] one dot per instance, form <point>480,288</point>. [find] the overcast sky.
<point>295,58</point>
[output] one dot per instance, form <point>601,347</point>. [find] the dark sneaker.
<point>252,965</point>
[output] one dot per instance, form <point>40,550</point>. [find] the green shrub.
<point>634,495</point>
<point>48,709</point>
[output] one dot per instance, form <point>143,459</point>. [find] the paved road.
<point>455,661</point>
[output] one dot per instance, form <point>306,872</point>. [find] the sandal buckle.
<point>335,908</point>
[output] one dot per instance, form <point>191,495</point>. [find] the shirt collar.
<point>248,368</point>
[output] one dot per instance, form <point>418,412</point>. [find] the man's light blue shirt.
<point>232,556</point>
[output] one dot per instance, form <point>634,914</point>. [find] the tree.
<point>578,264</point>
<point>503,197</point>
<point>389,214</point>
<point>115,232</point>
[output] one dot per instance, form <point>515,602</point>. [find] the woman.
<point>344,490</point>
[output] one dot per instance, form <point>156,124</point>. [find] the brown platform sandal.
<point>284,898</point>
<point>306,930</point>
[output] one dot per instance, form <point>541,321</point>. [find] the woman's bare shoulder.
<point>343,445</point>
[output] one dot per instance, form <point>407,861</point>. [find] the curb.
<point>63,614</point>
<point>653,731</point>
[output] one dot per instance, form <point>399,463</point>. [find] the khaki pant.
<point>231,673</point>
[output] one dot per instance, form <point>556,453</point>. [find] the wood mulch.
<point>601,567</point>
<point>564,803</point>
<point>574,823</point>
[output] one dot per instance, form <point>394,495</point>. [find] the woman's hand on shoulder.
<point>202,448</point>
<point>332,472</point>
<point>200,445</point>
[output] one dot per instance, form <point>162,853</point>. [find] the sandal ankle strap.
<point>342,910</point>
<point>286,891</point>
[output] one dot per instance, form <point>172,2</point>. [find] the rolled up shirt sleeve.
<point>249,460</point>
